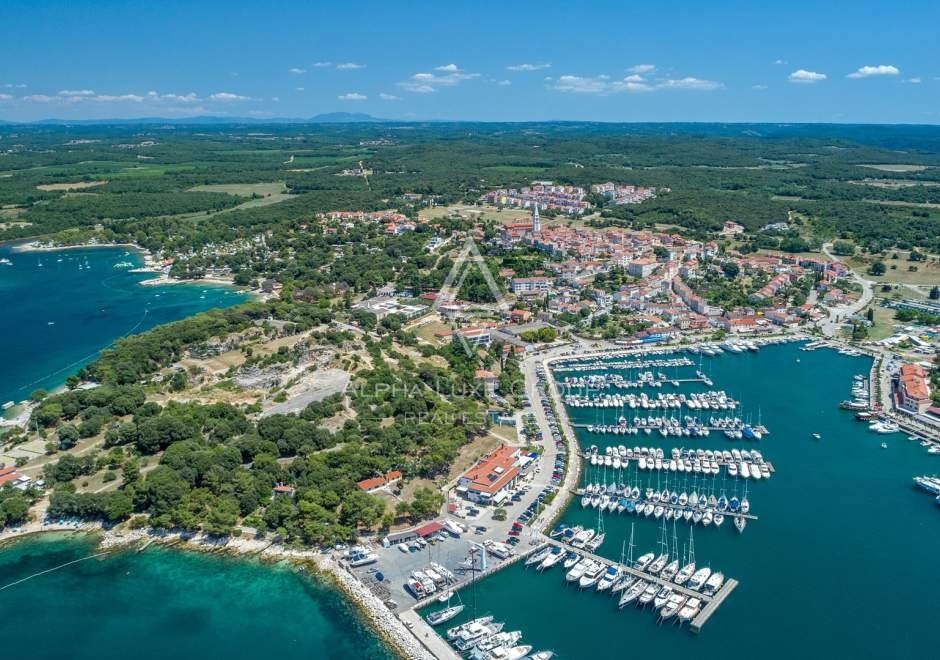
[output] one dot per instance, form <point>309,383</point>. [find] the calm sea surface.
<point>841,563</point>
<point>57,317</point>
<point>169,604</point>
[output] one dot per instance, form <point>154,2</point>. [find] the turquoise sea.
<point>166,603</point>
<point>841,563</point>
<point>57,317</point>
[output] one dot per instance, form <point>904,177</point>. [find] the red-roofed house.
<point>490,480</point>
<point>375,483</point>
<point>913,391</point>
<point>281,489</point>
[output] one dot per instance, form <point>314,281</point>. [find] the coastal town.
<point>638,299</point>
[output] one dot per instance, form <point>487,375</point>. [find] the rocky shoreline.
<point>379,618</point>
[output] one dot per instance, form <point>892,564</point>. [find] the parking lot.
<point>525,508</point>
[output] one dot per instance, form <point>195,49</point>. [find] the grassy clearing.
<point>77,185</point>
<point>471,453</point>
<point>244,189</point>
<point>928,272</point>
<point>896,168</point>
<point>918,205</point>
<point>893,184</point>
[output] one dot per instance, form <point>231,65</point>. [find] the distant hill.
<point>343,117</point>
<point>325,118</point>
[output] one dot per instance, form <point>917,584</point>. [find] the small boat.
<point>675,602</point>
<point>685,573</point>
<point>713,584</point>
<point>649,594</point>
<point>884,445</point>
<point>690,609</point>
<point>699,578</point>
<point>446,614</point>
<point>817,436</point>
<point>632,593</point>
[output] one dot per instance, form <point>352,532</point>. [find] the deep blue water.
<point>169,604</point>
<point>57,317</point>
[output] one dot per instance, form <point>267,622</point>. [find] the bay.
<point>58,316</point>
<point>169,603</point>
<point>841,563</point>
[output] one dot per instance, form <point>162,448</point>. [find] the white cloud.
<point>299,89</point>
<point>536,66</point>
<point>276,99</point>
<point>504,83</point>
<point>759,88</point>
<point>352,96</point>
<point>39,98</point>
<point>297,71</point>
<point>389,97</point>
<point>632,84</point>
<point>226,97</point>
<point>322,65</point>
<point>348,66</point>
<point>118,98</point>
<point>5,97</point>
<point>805,77</point>
<point>879,70</point>
<point>642,68</point>
<point>447,67</point>
<point>76,92</point>
<point>13,86</point>
<point>425,83</point>
<point>690,83</point>
<point>600,84</point>
<point>780,61</point>
<point>912,81</point>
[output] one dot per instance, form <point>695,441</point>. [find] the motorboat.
<point>592,575</point>
<point>699,578</point>
<point>691,608</point>
<point>610,576</point>
<point>648,594</point>
<point>713,583</point>
<point>644,561</point>
<point>672,606</point>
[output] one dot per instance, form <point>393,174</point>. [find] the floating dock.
<point>711,603</point>
<point>712,606</point>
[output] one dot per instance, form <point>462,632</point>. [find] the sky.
<point>513,60</point>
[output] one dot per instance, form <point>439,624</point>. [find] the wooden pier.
<point>711,606</point>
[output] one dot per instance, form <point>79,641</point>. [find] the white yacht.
<point>699,578</point>
<point>685,573</point>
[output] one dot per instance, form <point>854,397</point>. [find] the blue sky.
<point>516,61</point>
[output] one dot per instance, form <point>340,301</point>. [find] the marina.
<point>765,612</point>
